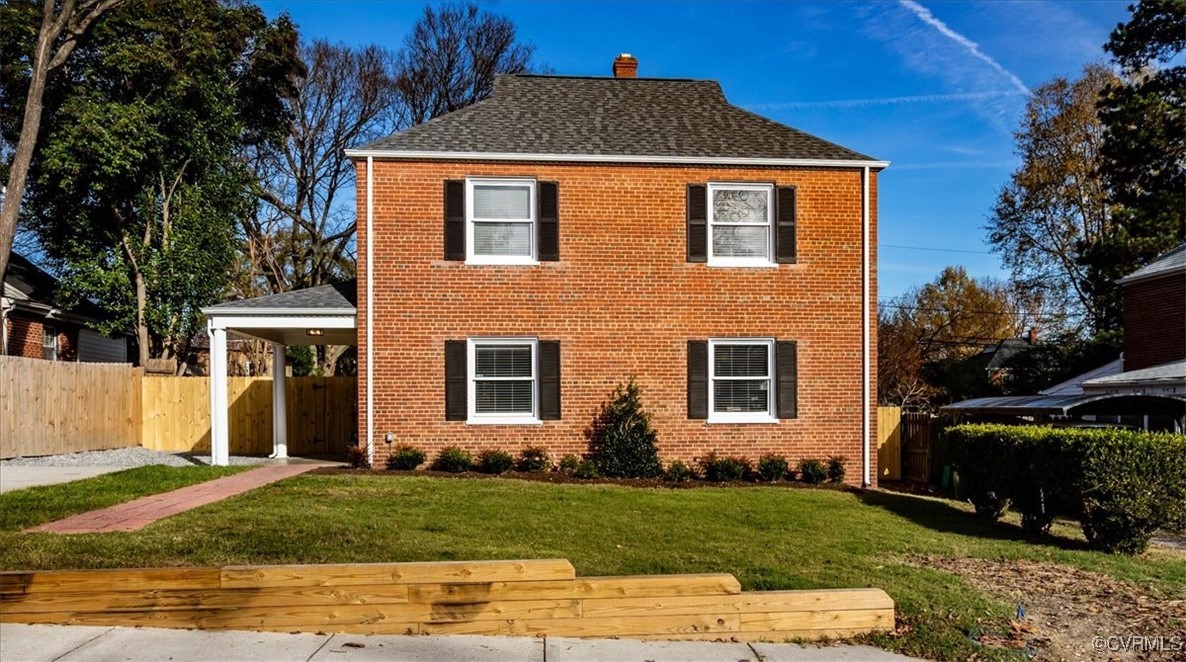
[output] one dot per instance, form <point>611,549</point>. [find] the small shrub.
<point>495,461</point>
<point>812,471</point>
<point>719,469</point>
<point>569,464</point>
<point>621,439</point>
<point>678,472</point>
<point>453,459</point>
<point>533,459</point>
<point>357,457</point>
<point>836,468</point>
<point>772,468</point>
<point>405,458</point>
<point>585,470</point>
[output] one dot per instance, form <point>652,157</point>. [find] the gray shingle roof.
<point>1172,261</point>
<point>340,296</point>
<point>611,117</point>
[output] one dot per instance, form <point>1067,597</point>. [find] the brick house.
<point>1155,312</point>
<point>34,326</point>
<point>524,255</point>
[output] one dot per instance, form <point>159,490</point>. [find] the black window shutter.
<point>786,359</point>
<point>698,379</point>
<point>454,220</point>
<point>549,380</point>
<point>784,226</point>
<point>548,219</point>
<point>456,381</point>
<point>697,223</point>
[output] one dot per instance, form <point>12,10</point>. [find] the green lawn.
<point>769,538</point>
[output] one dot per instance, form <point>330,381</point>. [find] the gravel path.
<point>124,458</point>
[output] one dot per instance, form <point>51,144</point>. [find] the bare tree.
<point>63,24</point>
<point>450,58</point>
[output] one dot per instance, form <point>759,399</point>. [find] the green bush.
<point>585,470</point>
<point>772,468</point>
<point>405,458</point>
<point>1121,485</point>
<point>622,442</point>
<point>569,464</point>
<point>533,459</point>
<point>495,461</point>
<point>678,472</point>
<point>719,469</point>
<point>812,471</point>
<point>453,459</point>
<point>836,469</point>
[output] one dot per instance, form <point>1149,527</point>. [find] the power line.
<point>937,250</point>
<point>901,306</point>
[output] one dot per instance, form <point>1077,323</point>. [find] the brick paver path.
<point>138,514</point>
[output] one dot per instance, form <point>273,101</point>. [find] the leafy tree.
<point>1058,358</point>
<point>927,336</point>
<point>32,54</point>
<point>1144,151</point>
<point>622,441</point>
<point>138,188</point>
<point>1054,208</point>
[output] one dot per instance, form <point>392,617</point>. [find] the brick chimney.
<point>625,66</point>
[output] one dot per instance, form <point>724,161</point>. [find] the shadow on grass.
<point>941,515</point>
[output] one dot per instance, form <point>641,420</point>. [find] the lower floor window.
<point>741,380</point>
<point>502,379</point>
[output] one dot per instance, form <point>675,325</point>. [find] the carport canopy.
<point>1063,405</point>
<point>322,315</point>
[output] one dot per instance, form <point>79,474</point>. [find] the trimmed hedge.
<point>1121,485</point>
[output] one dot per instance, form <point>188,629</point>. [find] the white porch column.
<point>220,434</point>
<point>279,405</point>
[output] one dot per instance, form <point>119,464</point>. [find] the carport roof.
<point>1028,405</point>
<point>321,300</point>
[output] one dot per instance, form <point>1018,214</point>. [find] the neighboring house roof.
<point>33,288</point>
<point>1166,374</point>
<point>1073,386</point>
<point>1006,350</point>
<point>335,298</point>
<point>1172,262</point>
<point>617,118</point>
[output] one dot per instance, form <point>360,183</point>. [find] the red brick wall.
<point>25,337</point>
<point>622,300</point>
<point>1154,321</point>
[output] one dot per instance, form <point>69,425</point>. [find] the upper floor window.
<point>740,217</point>
<point>501,220</point>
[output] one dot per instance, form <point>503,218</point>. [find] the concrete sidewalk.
<point>19,477</point>
<point>46,643</point>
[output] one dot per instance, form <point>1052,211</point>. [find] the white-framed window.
<point>741,380</point>
<point>500,219</point>
<point>740,218</point>
<point>49,343</point>
<point>503,375</point>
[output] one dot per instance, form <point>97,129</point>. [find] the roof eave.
<point>233,311</point>
<point>409,155</point>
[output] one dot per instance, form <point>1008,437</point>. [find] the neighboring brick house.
<point>1155,312</point>
<point>35,327</point>
<point>520,257</point>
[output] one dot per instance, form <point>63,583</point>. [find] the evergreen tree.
<point>622,439</point>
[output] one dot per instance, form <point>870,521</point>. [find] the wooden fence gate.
<point>916,446</point>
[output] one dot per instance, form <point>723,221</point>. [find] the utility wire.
<point>938,250</point>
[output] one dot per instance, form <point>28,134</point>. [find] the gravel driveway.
<point>123,458</point>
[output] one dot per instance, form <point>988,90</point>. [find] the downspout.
<point>865,330</point>
<point>370,312</point>
<point>5,305</point>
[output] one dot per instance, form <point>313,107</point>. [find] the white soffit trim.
<point>286,321</point>
<point>278,312</point>
<point>610,158</point>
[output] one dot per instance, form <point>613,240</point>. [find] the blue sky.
<point>934,87</point>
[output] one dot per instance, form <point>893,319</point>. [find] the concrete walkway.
<point>137,514</point>
<point>46,643</point>
<point>18,477</point>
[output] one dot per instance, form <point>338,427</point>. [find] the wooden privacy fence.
<point>538,597</point>
<point>322,414</point>
<point>49,407</point>
<point>889,442</point>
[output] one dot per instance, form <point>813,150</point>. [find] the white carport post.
<point>279,405</point>
<point>220,445</point>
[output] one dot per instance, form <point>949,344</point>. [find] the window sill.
<point>758,419</point>
<point>504,420</point>
<point>514,262</point>
<point>739,264</point>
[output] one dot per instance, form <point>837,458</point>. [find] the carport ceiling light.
<point>314,332</point>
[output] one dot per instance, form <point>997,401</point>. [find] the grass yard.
<point>769,538</point>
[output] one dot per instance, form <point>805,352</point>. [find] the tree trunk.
<point>141,323</point>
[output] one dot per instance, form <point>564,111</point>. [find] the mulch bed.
<point>559,477</point>
<point>1066,609</point>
